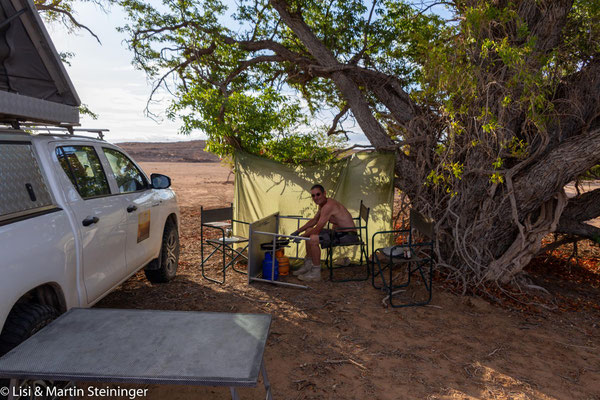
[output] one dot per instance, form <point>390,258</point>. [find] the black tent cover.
<point>34,85</point>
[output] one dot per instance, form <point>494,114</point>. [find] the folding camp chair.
<point>414,253</point>
<point>219,219</point>
<point>362,232</point>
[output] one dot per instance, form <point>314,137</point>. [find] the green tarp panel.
<point>263,187</point>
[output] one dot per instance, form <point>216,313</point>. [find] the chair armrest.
<point>348,227</point>
<point>388,233</point>
<point>421,244</point>
<point>208,225</point>
<point>293,217</point>
<point>222,229</point>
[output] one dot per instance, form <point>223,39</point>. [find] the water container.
<point>267,265</point>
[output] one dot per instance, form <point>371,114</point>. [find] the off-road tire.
<point>164,268</point>
<point>23,321</point>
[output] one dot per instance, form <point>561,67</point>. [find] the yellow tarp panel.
<point>263,187</point>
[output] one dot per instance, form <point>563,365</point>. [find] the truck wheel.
<point>164,268</point>
<point>23,321</point>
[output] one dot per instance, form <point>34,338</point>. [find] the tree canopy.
<point>491,109</point>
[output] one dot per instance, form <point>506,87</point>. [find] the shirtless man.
<point>332,211</point>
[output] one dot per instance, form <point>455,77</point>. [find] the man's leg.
<point>315,250</point>
<point>307,266</point>
<point>312,248</point>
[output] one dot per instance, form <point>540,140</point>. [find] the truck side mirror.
<point>160,181</point>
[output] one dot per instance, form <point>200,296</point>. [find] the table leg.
<point>11,388</point>
<point>263,371</point>
<point>234,393</point>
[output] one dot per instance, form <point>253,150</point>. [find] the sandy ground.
<point>196,184</point>
<point>337,340</point>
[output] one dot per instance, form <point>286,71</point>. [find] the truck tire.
<point>23,321</point>
<point>164,268</point>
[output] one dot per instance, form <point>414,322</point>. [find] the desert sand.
<point>338,341</point>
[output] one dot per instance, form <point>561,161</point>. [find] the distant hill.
<point>192,151</point>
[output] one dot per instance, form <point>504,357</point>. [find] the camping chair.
<point>414,253</point>
<point>218,219</point>
<point>361,225</point>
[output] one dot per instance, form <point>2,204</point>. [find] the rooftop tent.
<point>263,187</point>
<point>34,85</point>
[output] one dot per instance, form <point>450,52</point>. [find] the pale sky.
<point>106,81</point>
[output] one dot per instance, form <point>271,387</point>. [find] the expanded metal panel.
<point>144,346</point>
<point>22,186</point>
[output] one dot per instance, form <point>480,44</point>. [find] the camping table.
<point>145,346</point>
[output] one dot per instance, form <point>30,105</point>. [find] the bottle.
<point>268,265</point>
<point>284,262</point>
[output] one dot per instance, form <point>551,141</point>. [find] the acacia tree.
<point>490,111</point>
<point>63,12</point>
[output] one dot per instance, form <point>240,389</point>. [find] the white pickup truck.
<point>77,218</point>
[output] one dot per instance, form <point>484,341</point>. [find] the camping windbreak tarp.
<point>263,187</point>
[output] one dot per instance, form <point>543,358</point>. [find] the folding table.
<point>146,347</point>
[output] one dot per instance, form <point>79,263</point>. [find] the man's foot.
<point>314,275</point>
<point>304,268</point>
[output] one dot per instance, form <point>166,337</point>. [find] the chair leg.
<point>384,284</point>
<point>330,262</point>
<point>238,254</point>
<point>330,265</point>
<point>205,260</point>
<point>426,281</point>
<point>216,248</point>
<point>380,273</point>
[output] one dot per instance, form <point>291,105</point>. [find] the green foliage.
<point>239,103</point>
<point>476,74</point>
<point>85,110</point>
<point>488,68</point>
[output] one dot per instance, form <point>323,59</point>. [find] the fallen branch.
<point>347,361</point>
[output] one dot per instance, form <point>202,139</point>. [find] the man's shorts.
<point>339,238</point>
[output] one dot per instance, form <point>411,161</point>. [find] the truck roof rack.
<point>63,130</point>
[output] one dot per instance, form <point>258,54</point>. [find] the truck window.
<point>128,176</point>
<point>82,166</point>
<point>24,190</point>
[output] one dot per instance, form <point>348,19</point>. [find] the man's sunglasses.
<point>313,195</point>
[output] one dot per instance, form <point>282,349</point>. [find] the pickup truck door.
<point>144,222</point>
<point>99,217</point>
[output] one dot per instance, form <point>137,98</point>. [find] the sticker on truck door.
<point>143,226</point>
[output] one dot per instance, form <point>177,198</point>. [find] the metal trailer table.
<point>145,346</point>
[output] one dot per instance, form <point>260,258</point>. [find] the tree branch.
<point>356,99</point>
<point>558,167</point>
<point>65,13</point>
<point>579,209</point>
<point>336,120</point>
<point>579,229</point>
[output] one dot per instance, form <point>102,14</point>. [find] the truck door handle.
<point>90,220</point>
<point>131,208</point>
